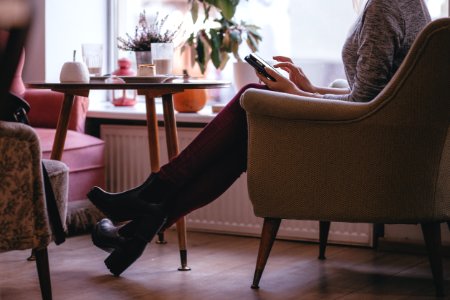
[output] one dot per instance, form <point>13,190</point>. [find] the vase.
<point>243,74</point>
<point>143,58</point>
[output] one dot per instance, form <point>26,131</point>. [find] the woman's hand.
<point>296,74</point>
<point>282,84</point>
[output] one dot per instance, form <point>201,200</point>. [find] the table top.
<point>100,85</point>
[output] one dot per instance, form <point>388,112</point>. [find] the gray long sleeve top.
<point>377,45</point>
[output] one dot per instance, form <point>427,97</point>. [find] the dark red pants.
<point>210,164</point>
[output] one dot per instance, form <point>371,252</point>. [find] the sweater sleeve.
<point>379,37</point>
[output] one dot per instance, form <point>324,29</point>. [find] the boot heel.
<point>126,254</point>
<point>121,258</point>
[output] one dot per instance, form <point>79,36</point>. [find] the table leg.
<point>152,131</point>
<point>153,143</point>
<point>61,128</point>
<point>172,149</point>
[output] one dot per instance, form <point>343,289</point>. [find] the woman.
<point>374,50</point>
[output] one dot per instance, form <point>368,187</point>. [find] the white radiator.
<point>128,164</point>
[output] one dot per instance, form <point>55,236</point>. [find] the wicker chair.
<point>385,161</point>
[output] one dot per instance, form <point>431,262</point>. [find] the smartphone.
<point>259,64</point>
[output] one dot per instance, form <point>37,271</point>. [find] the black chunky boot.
<point>108,237</point>
<point>144,200</point>
<point>127,252</point>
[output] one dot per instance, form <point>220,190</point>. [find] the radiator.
<point>128,165</point>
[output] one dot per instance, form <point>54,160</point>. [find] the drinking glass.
<point>162,58</point>
<point>93,58</point>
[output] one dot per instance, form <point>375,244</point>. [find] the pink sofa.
<point>83,154</point>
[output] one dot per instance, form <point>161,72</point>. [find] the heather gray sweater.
<point>378,43</point>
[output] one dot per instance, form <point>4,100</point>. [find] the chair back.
<point>15,20</point>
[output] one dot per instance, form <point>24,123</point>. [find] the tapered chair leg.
<point>324,229</point>
<point>43,273</point>
<point>269,232</point>
<point>432,236</point>
<point>378,231</point>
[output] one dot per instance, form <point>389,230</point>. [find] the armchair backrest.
<point>415,108</point>
<point>15,20</point>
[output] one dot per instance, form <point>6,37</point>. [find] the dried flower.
<point>146,33</point>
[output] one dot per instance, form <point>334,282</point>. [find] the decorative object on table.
<point>74,71</point>
<point>144,35</point>
<point>216,43</point>
<point>124,68</point>
<point>93,58</point>
<point>189,100</point>
<point>243,74</point>
<point>122,97</point>
<point>146,70</point>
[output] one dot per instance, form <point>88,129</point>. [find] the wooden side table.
<point>150,91</point>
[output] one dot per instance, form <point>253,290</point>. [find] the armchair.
<point>83,154</point>
<point>385,161</point>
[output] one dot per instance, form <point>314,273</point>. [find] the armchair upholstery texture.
<point>24,221</point>
<point>385,161</point>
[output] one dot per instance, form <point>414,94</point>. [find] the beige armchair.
<point>386,161</point>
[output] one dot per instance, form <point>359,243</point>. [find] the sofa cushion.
<point>83,154</point>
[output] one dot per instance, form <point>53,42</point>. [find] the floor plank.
<point>222,268</point>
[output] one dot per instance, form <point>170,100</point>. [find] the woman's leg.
<point>212,182</point>
<point>225,132</point>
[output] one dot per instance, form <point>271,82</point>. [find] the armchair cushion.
<point>85,172</point>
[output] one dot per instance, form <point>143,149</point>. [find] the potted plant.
<point>217,42</point>
<point>144,35</point>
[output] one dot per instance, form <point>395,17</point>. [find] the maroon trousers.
<point>210,164</point>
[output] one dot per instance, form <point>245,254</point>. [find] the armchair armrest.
<point>286,106</point>
<point>21,188</point>
<point>46,105</point>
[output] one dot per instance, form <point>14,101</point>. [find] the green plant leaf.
<point>194,11</point>
<point>215,47</point>
<point>227,7</point>
<point>224,57</point>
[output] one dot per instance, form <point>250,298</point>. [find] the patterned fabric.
<point>23,218</point>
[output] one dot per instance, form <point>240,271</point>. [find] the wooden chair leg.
<point>324,229</point>
<point>269,232</point>
<point>432,236</point>
<point>161,240</point>
<point>378,231</point>
<point>43,273</point>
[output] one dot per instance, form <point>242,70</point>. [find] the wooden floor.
<point>222,268</point>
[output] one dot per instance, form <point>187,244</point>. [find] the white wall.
<point>60,27</point>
